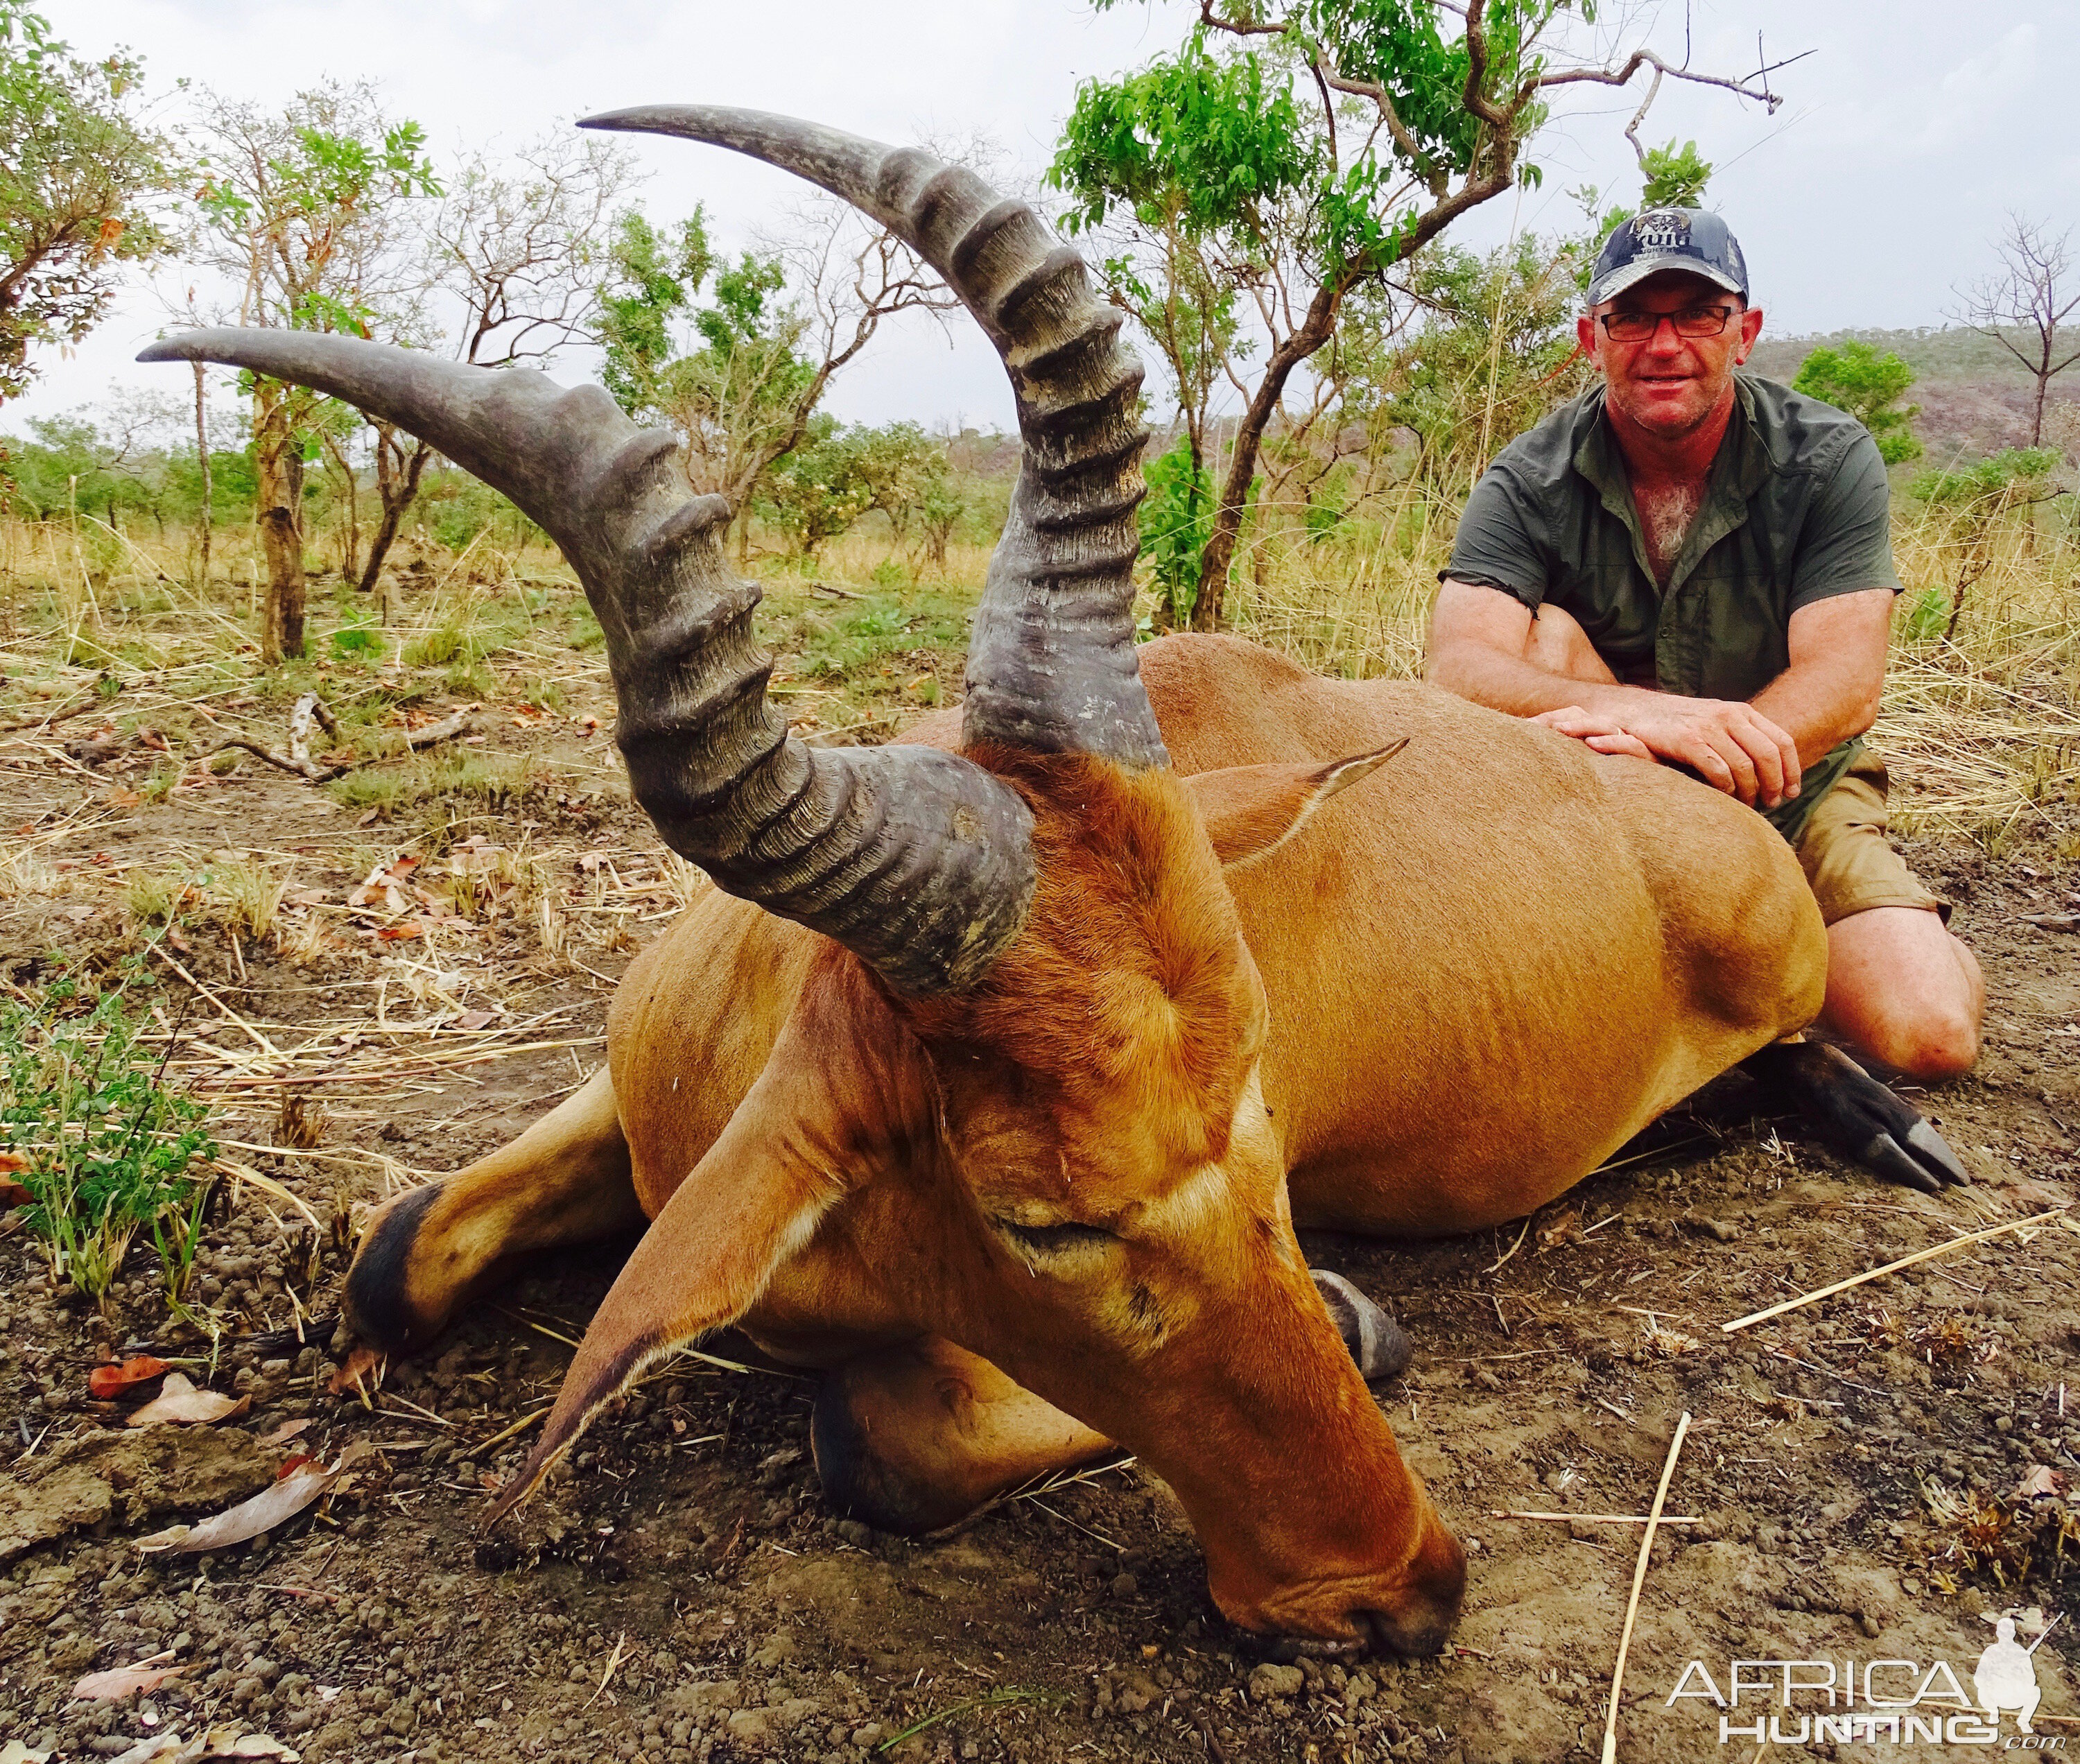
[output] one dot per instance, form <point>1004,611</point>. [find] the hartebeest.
<point>998,1074</point>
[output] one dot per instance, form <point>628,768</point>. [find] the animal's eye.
<point>1054,1240</point>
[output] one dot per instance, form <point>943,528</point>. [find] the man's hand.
<point>1732,746</point>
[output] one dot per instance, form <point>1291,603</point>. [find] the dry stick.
<point>305,766</point>
<point>1891,1267</point>
<point>1597,1518</point>
<point>46,719</point>
<point>518,1426</point>
<point>1639,1580</point>
<point>223,1010</point>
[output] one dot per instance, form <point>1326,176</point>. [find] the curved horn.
<point>1051,664</point>
<point>917,861</point>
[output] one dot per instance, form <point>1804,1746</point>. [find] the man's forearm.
<point>1522,688</point>
<point>1820,705</point>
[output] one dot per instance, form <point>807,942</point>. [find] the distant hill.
<point>1974,396</point>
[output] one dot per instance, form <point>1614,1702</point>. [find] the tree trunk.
<point>1214,562</point>
<point>202,463</point>
<point>397,476</point>
<point>279,476</point>
<point>2036,415</point>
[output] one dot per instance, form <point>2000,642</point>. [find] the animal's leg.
<point>1855,1114</point>
<point>563,1181</point>
<point>916,1437</point>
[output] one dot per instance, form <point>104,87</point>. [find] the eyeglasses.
<point>1691,321</point>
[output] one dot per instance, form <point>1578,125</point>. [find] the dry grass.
<point>1981,725</point>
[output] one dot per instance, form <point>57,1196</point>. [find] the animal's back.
<point>1497,958</point>
<point>1489,964</point>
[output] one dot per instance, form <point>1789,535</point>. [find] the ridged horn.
<point>1051,663</point>
<point>917,861</point>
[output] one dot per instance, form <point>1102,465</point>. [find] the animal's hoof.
<point>377,1304</point>
<point>1379,1345</point>
<point>1855,1115</point>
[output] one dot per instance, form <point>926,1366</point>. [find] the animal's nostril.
<point>1413,1636</point>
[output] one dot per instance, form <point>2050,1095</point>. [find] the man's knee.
<point>1937,1041</point>
<point>1902,989</point>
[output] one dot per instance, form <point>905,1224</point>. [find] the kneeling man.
<point>1693,565</point>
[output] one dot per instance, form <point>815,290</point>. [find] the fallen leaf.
<point>269,1508</point>
<point>120,798</point>
<point>363,1368</point>
<point>288,1430</point>
<point>228,1742</point>
<point>2041,1478</point>
<point>475,1020</point>
<point>290,1466</point>
<point>14,1752</point>
<point>393,934</point>
<point>123,1681</point>
<point>13,1193</point>
<point>106,1382</point>
<point>12,1161</point>
<point>168,1748</point>
<point>182,1404</point>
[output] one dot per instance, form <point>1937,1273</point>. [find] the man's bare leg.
<point>1902,988</point>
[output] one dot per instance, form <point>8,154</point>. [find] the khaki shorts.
<point>1848,864</point>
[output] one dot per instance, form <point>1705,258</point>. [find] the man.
<point>1693,565</point>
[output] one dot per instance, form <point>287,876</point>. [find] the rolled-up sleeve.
<point>1846,543</point>
<point>1502,541</point>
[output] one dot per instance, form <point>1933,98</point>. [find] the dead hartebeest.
<point>1000,1070</point>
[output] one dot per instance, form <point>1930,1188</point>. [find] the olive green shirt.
<point>1796,510</point>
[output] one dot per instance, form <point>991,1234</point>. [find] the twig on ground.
<point>613,1666</point>
<point>1595,1518</point>
<point>518,1427</point>
<point>1961,1242</point>
<point>42,719</point>
<point>298,759</point>
<point>1514,1247</point>
<point>1638,1581</point>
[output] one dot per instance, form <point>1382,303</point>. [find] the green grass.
<point>489,780</point>
<point>108,1148</point>
<point>860,639</point>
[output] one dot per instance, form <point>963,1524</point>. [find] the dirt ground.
<point>1876,1476</point>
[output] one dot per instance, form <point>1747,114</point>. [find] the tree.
<point>1857,379</point>
<point>302,210</point>
<point>78,172</point>
<point>1494,351</point>
<point>1304,148</point>
<point>773,329</point>
<point>895,464</point>
<point>2025,306</point>
<point>516,254</point>
<point>816,490</point>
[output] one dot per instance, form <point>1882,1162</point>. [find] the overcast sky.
<point>1904,136</point>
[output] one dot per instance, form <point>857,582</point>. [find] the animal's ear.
<point>1250,811</point>
<point>835,1090</point>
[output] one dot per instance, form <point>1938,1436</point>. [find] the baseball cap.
<point>1660,239</point>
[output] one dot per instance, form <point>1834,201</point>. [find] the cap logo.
<point>1661,230</point>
